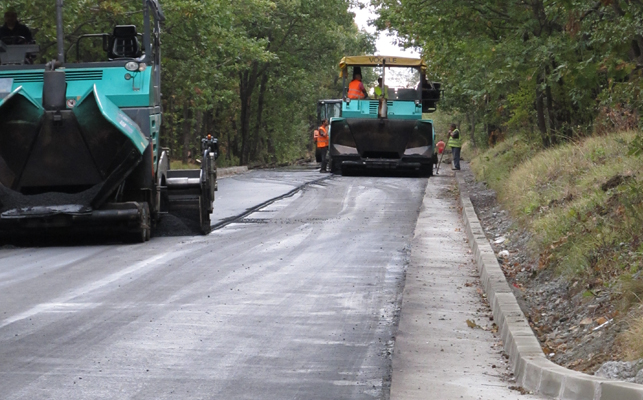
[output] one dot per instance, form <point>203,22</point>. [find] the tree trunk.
<point>471,119</point>
<point>553,123</point>
<point>187,125</point>
<point>540,113</point>
<point>167,133</point>
<point>198,134</point>
<point>232,141</point>
<point>259,141</point>
<point>247,83</point>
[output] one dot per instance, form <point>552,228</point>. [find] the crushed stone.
<point>630,371</point>
<point>175,225</point>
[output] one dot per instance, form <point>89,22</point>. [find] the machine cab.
<point>327,109</point>
<point>396,88</point>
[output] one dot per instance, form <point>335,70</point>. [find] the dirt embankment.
<point>577,322</point>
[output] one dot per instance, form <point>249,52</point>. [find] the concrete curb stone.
<point>531,367</point>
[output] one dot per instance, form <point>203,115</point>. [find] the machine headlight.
<point>418,151</point>
<point>131,66</point>
<point>344,150</point>
<point>347,100</point>
<point>142,66</point>
<point>417,103</point>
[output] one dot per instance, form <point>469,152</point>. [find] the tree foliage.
<point>248,71</point>
<point>564,67</point>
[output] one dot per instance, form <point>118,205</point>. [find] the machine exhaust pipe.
<point>60,35</point>
<point>54,91</point>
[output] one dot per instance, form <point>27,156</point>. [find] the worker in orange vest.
<point>317,152</point>
<point>356,89</point>
<point>321,138</point>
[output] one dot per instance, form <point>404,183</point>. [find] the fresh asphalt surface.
<point>296,300</point>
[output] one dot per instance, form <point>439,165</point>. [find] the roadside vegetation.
<point>583,201</point>
<point>583,204</point>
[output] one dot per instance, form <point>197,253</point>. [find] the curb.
<point>532,369</point>
<point>225,172</point>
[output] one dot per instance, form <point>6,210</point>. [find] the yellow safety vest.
<point>378,91</point>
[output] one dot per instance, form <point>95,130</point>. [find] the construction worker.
<point>321,137</point>
<point>378,89</point>
<point>356,89</point>
<point>13,32</point>
<point>317,152</point>
<point>455,142</point>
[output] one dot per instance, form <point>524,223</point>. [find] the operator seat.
<point>124,43</point>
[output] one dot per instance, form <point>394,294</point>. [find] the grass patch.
<point>583,202</point>
<point>632,339</point>
<point>495,165</point>
<point>632,291</point>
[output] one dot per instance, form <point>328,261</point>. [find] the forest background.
<point>249,72</point>
<point>554,70</point>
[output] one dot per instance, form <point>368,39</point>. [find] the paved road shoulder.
<point>438,355</point>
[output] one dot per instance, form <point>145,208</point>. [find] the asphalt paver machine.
<point>390,131</point>
<point>79,142</point>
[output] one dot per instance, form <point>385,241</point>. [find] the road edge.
<point>531,367</point>
<point>231,171</point>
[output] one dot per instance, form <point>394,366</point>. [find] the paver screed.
<point>445,348</point>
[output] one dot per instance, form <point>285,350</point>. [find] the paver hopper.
<point>79,142</point>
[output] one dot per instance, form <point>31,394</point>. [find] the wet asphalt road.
<point>297,300</point>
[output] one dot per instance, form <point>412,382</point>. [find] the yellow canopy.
<point>375,61</point>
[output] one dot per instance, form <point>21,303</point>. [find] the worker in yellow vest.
<point>321,138</point>
<point>455,142</point>
<point>378,89</point>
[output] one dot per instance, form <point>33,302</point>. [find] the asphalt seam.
<point>253,209</point>
<point>533,370</point>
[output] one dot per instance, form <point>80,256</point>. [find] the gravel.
<point>630,371</point>
<point>175,225</point>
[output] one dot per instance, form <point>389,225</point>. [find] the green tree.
<point>553,65</point>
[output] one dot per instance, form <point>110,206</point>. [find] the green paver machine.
<point>387,132</point>
<point>79,142</point>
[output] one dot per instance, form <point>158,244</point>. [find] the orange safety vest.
<point>322,139</point>
<point>354,90</point>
